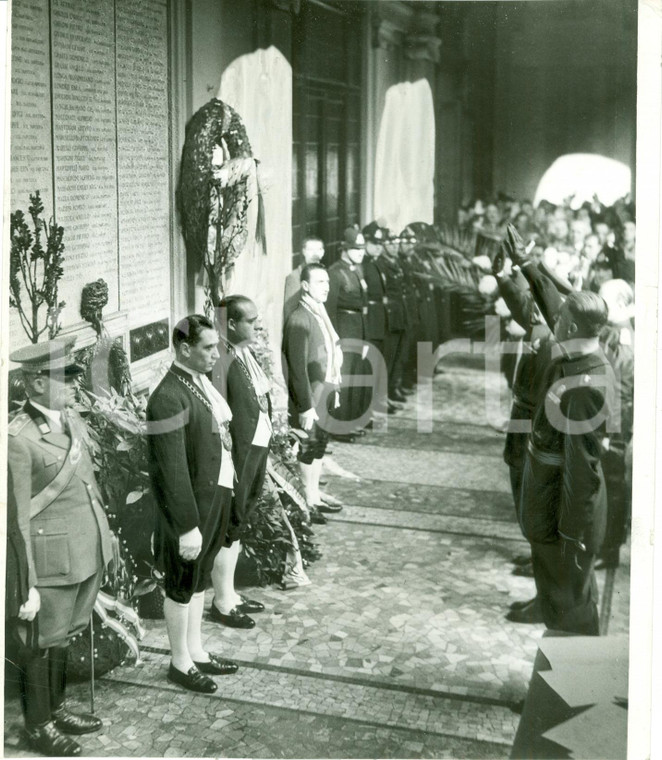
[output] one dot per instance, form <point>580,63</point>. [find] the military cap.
<point>352,238</point>
<point>50,356</point>
<point>375,233</point>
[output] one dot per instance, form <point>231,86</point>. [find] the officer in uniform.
<point>66,536</point>
<point>375,323</point>
<point>396,320</point>
<point>563,501</point>
<point>347,307</point>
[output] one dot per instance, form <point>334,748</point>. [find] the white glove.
<point>307,419</point>
<point>30,608</point>
<point>190,544</point>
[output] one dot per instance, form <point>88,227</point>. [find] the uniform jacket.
<point>70,539</point>
<point>305,354</point>
<point>375,323</point>
<point>185,453</point>
<point>563,487</point>
<point>393,277</point>
<point>17,570</point>
<point>237,387</point>
<point>292,292</point>
<point>347,303</point>
<point>568,499</point>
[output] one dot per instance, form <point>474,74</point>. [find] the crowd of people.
<point>350,346</point>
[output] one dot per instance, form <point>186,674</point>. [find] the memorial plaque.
<point>143,163</point>
<point>31,158</point>
<point>85,146</point>
<point>30,150</point>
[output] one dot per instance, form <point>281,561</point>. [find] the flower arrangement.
<point>35,269</point>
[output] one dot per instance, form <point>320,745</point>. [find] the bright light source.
<point>584,175</point>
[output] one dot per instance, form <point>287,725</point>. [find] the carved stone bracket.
<point>402,25</point>
<point>290,6</point>
<point>422,47</point>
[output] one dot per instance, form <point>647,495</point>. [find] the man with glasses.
<point>66,536</point>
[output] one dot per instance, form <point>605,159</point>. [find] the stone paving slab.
<point>448,524</point>
<point>432,468</point>
<point>365,702</point>
<point>390,604</point>
<point>402,432</point>
<point>413,497</point>
<point>167,722</point>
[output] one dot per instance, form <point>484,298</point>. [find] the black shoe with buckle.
<point>233,619</point>
<point>194,680</point>
<point>217,667</point>
<point>47,740</point>
<point>330,509</point>
<point>520,605</point>
<point>523,571</point>
<point>531,613</point>
<point>249,605</point>
<point>70,723</point>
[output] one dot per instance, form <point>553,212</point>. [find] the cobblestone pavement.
<point>399,648</point>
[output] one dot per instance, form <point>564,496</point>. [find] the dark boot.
<point>66,721</point>
<point>40,730</point>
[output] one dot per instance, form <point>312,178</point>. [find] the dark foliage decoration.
<point>35,269</point>
<point>452,269</point>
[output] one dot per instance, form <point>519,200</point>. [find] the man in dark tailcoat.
<point>563,502</point>
<point>312,367</point>
<point>66,539</point>
<point>192,475</point>
<point>245,386</point>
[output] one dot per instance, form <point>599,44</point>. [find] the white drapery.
<point>404,161</point>
<point>259,87</point>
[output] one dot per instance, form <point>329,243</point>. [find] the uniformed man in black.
<point>396,320</point>
<point>375,325</point>
<point>347,307</point>
<point>563,502</point>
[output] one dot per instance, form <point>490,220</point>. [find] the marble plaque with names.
<point>85,147</point>
<point>30,148</point>
<point>143,165</point>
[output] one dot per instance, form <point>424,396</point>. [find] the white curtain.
<point>259,87</point>
<point>404,161</point>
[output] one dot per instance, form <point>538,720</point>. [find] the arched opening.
<point>583,175</point>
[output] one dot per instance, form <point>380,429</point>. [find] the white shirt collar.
<point>53,416</point>
<point>193,373</point>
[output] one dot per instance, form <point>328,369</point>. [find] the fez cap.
<point>50,356</point>
<point>352,238</point>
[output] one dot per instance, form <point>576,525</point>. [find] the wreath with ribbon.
<point>217,176</point>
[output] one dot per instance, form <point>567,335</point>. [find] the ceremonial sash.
<point>47,495</point>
